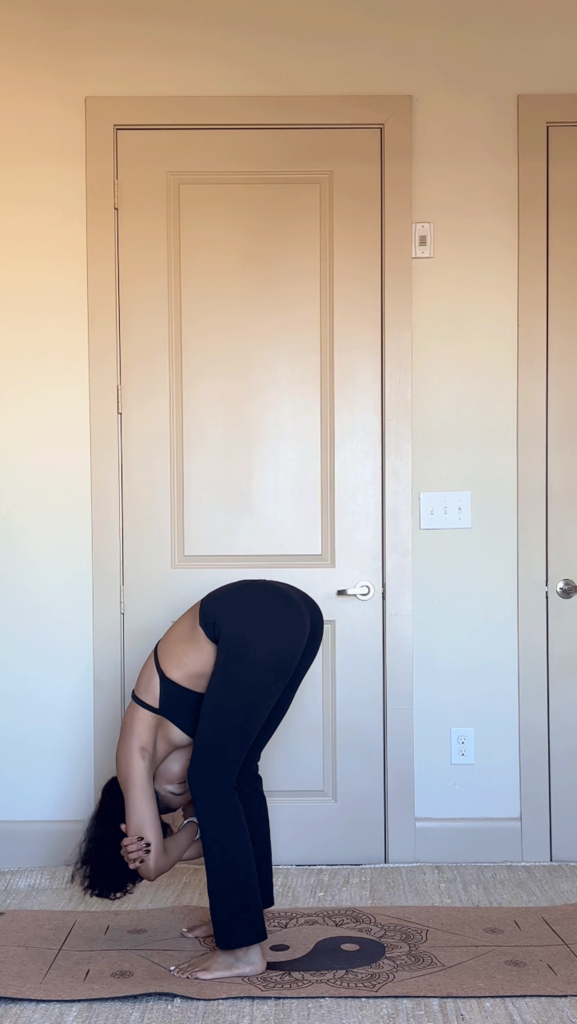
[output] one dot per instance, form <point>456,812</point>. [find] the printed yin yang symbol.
<point>336,953</point>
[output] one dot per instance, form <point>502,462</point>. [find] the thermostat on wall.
<point>422,241</point>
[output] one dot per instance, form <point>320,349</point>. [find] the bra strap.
<point>143,704</point>
<point>157,663</point>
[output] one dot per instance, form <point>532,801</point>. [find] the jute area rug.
<point>311,952</point>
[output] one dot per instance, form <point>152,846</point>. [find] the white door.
<point>562,488</point>
<point>250,323</point>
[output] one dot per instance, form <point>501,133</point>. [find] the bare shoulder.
<point>137,741</point>
<point>147,684</point>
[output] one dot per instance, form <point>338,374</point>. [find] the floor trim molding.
<point>31,844</point>
<point>38,844</point>
<point>468,840</point>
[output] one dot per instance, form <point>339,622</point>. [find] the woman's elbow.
<point>149,872</point>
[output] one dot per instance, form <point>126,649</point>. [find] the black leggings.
<point>268,635</point>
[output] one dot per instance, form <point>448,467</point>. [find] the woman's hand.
<point>134,850</point>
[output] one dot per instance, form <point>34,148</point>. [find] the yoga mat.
<point>351,951</point>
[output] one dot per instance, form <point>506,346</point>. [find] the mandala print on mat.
<point>377,953</point>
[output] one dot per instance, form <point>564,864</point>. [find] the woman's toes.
<point>187,969</point>
<point>198,931</point>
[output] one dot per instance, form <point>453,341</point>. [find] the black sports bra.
<point>176,702</point>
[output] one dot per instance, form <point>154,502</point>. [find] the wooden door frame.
<point>536,114</point>
<point>392,115</point>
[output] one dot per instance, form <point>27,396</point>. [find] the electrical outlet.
<point>462,746</point>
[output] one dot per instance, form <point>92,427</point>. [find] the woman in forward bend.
<point>206,703</point>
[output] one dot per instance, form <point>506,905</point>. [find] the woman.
<point>225,675</point>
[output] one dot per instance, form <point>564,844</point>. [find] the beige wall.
<point>464,62</point>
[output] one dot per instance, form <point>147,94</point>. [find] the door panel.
<point>562,487</point>
<point>236,246</point>
<point>250,321</point>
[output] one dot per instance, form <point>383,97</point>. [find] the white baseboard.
<point>35,844</point>
<point>38,844</point>
<point>468,840</point>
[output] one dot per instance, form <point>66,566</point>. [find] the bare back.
<point>186,656</point>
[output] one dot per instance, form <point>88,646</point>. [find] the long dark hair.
<point>99,867</point>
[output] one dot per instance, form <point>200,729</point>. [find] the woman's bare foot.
<point>223,963</point>
<point>202,930</point>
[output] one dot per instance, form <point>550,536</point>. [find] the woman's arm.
<point>181,845</point>
<point>134,765</point>
<point>194,851</point>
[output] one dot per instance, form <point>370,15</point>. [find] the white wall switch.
<point>422,241</point>
<point>462,746</point>
<point>445,510</point>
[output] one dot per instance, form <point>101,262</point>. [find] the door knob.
<point>363,590</point>
<point>566,589</point>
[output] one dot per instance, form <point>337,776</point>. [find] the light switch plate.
<point>445,510</point>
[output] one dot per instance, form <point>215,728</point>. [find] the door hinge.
<point>119,399</point>
<point>122,600</point>
<point>116,193</point>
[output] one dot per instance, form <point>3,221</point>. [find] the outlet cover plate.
<point>462,746</point>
